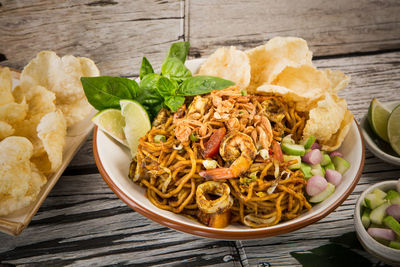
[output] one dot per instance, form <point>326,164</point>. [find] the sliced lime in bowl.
<point>393,129</point>
<point>378,116</point>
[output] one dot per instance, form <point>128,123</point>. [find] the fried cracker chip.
<point>20,182</point>
<point>62,77</point>
<point>325,119</point>
<point>228,63</point>
<point>59,75</point>
<point>308,83</point>
<point>338,80</point>
<point>13,112</point>
<point>267,61</point>
<point>5,86</point>
<point>5,130</point>
<point>303,102</point>
<point>76,112</point>
<point>40,102</point>
<point>52,131</point>
<point>336,140</point>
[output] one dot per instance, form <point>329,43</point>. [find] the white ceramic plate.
<point>76,135</point>
<point>113,161</point>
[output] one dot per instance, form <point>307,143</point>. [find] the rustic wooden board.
<point>331,27</point>
<point>83,223</point>
<point>115,34</point>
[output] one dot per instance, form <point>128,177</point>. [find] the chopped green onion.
<point>243,92</point>
<point>160,138</point>
<point>253,176</point>
<point>193,137</point>
<point>209,164</point>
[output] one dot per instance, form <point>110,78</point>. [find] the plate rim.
<point>219,233</point>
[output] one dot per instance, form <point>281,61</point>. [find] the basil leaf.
<point>149,81</point>
<point>105,92</point>
<point>166,87</point>
<point>174,68</point>
<point>174,102</point>
<point>148,95</point>
<point>145,68</point>
<point>179,50</point>
<point>198,85</point>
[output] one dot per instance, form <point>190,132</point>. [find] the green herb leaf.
<point>148,95</point>
<point>105,92</point>
<point>179,50</point>
<point>174,68</point>
<point>174,102</point>
<point>348,240</point>
<point>198,85</point>
<point>166,87</point>
<point>145,68</point>
<point>312,260</point>
<point>149,81</point>
<point>331,255</point>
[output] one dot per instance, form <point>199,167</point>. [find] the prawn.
<point>238,148</point>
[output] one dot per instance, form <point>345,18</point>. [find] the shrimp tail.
<point>217,174</point>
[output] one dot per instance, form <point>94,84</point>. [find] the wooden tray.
<point>16,222</point>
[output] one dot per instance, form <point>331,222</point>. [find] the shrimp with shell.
<point>238,148</point>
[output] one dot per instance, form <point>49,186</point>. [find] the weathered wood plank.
<point>83,223</point>
<point>115,34</point>
<point>330,27</point>
<point>84,157</point>
<point>371,76</point>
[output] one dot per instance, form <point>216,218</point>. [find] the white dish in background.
<point>113,162</point>
<point>376,145</point>
<point>382,252</point>
<point>76,135</point>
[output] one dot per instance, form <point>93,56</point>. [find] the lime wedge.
<point>393,129</point>
<point>378,117</point>
<point>111,121</point>
<point>137,123</point>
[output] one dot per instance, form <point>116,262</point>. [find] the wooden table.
<point>82,222</point>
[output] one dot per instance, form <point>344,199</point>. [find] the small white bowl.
<point>388,255</point>
<point>377,146</point>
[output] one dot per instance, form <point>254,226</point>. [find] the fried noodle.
<point>262,193</point>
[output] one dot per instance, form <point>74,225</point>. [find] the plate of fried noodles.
<point>226,164</point>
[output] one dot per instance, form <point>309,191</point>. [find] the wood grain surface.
<point>82,222</point>
<point>331,27</point>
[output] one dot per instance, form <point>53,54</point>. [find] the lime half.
<point>137,123</point>
<point>112,122</point>
<point>378,117</point>
<point>393,129</point>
